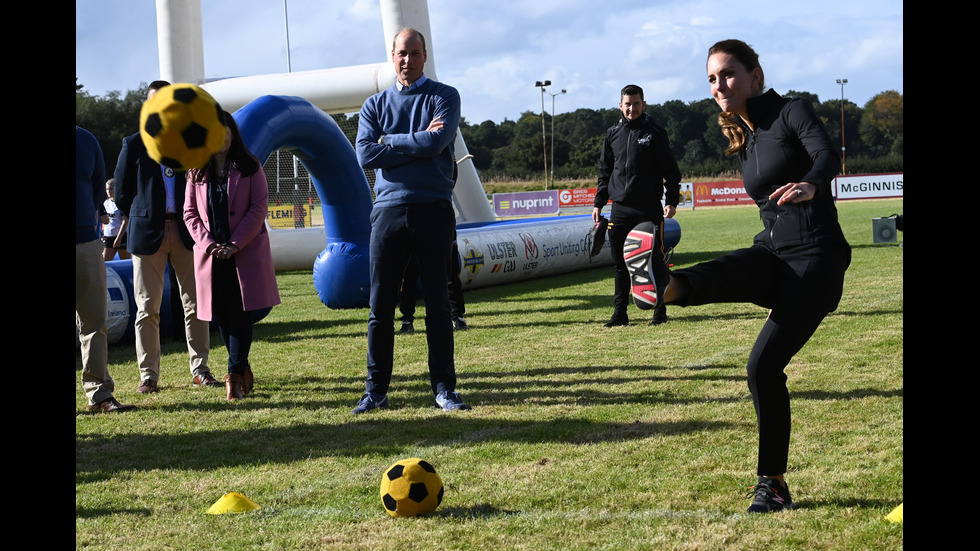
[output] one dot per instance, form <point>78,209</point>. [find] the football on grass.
<point>411,487</point>
<point>181,126</point>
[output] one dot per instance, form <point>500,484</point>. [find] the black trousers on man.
<point>622,219</point>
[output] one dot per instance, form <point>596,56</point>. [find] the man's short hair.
<point>157,84</point>
<point>631,90</point>
<point>408,30</point>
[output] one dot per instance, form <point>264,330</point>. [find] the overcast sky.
<point>493,51</point>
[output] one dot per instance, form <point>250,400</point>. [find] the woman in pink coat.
<point>225,211</point>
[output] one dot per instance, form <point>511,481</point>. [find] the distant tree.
<point>523,154</point>
<point>715,142</point>
<point>681,123</point>
<point>110,118</point>
<point>482,140</point>
<point>348,125</point>
<point>584,158</point>
<point>812,98</point>
<point>882,125</point>
<point>582,131</point>
<point>830,113</point>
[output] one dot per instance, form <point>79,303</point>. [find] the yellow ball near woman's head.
<point>181,126</point>
<point>411,487</point>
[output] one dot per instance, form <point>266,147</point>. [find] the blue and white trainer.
<point>370,401</point>
<point>450,401</point>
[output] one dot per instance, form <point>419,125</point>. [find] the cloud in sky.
<point>494,50</point>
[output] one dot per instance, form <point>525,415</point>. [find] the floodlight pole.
<point>843,150</point>
<point>544,136</point>
<point>553,135</point>
<point>285,15</point>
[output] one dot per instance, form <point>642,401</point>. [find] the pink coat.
<point>248,204</point>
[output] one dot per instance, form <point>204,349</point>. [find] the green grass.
<point>581,437</point>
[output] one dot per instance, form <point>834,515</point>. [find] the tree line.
<point>515,150</point>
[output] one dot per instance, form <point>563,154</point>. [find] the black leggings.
<point>800,287</point>
<point>234,322</point>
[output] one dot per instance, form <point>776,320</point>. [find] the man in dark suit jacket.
<point>152,198</point>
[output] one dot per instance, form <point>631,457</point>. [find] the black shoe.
<point>111,405</point>
<point>649,276</point>
<point>459,324</point>
<point>450,401</point>
<point>659,316</point>
<point>370,401</point>
<point>616,321</point>
<point>769,496</point>
<point>407,327</point>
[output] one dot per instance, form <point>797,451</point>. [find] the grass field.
<point>580,437</point>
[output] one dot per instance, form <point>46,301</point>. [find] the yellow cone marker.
<point>896,514</point>
<point>233,503</point>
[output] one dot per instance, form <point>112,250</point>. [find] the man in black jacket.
<point>635,168</point>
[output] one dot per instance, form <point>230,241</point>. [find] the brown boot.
<point>248,380</point>
<point>233,386</point>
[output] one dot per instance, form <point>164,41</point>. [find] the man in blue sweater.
<point>406,135</point>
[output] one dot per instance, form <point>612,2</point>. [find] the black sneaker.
<point>407,327</point>
<point>659,316</point>
<point>370,401</point>
<point>648,276</point>
<point>450,401</point>
<point>459,324</point>
<point>769,496</point>
<point>617,321</point>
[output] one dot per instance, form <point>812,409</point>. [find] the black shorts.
<point>109,242</point>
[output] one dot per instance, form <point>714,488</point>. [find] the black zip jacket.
<point>790,144</point>
<point>636,166</point>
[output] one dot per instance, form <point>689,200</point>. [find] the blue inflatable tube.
<point>672,229</point>
<point>121,303</point>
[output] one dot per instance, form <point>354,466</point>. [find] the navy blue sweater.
<point>411,165</point>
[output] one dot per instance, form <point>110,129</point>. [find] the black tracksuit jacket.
<point>637,165</point>
<point>790,144</point>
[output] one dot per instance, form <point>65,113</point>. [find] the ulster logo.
<point>530,247</point>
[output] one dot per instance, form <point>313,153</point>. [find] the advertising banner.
<point>717,194</point>
<point>288,216</point>
<point>576,198</point>
<point>528,203</point>
<point>870,186</point>
<point>686,200</point>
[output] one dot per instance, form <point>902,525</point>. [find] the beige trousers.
<point>148,284</point>
<point>90,315</point>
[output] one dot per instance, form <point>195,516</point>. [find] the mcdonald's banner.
<point>718,194</point>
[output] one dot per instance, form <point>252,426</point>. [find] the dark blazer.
<point>141,196</point>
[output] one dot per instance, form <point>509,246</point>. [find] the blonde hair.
<point>733,130</point>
